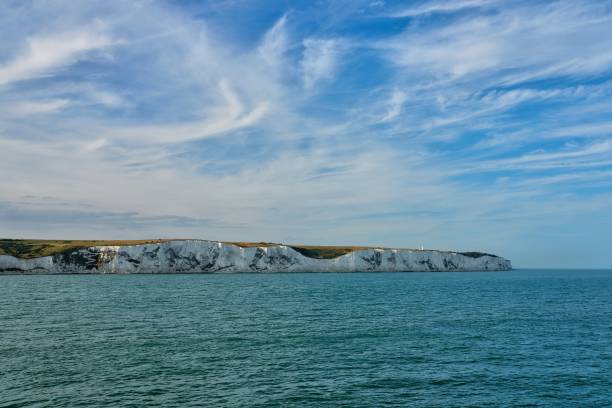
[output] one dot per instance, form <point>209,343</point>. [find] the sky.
<point>479,125</point>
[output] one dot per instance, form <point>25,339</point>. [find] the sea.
<point>524,338</point>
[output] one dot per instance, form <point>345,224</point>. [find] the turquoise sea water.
<point>520,338</point>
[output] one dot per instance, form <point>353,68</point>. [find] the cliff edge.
<point>199,256</point>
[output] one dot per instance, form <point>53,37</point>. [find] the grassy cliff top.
<point>33,248</point>
<point>311,251</point>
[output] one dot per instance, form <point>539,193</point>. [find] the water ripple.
<point>524,338</point>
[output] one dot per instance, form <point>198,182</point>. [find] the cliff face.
<point>195,256</point>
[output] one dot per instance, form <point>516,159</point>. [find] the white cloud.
<point>528,42</point>
<point>39,107</point>
<point>275,42</point>
<point>104,97</point>
<point>441,7</point>
<point>229,115</point>
<point>592,149</point>
<point>396,102</point>
<point>43,54</point>
<point>95,145</point>
<point>582,130</point>
<point>319,60</point>
<point>584,177</point>
<point>589,155</point>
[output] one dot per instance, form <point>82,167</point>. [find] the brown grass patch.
<point>34,248</point>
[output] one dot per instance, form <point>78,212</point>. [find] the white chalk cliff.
<point>198,256</point>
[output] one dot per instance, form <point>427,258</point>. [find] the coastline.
<point>200,256</point>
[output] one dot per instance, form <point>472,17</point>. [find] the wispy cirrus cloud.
<point>441,7</point>
<point>320,60</point>
<point>519,44</point>
<point>27,108</point>
<point>398,98</point>
<point>43,54</point>
<point>275,42</point>
<point>230,115</point>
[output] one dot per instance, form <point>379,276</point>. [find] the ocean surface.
<point>522,338</point>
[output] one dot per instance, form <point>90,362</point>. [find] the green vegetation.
<point>311,251</point>
<point>33,248</point>
<point>330,252</point>
<point>326,252</point>
<point>477,254</point>
<point>251,244</point>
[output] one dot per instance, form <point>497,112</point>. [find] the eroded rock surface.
<point>197,256</point>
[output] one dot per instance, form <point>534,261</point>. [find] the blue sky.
<point>468,124</point>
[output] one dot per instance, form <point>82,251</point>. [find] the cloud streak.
<point>319,61</point>
<point>44,54</point>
